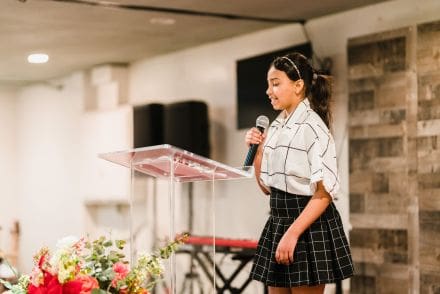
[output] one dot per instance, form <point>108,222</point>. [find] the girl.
<point>303,244</point>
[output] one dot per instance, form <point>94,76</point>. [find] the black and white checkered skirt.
<point>321,256</point>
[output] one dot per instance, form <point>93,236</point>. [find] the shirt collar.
<point>293,117</point>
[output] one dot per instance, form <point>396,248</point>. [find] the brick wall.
<point>394,110</point>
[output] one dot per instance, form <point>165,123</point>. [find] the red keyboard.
<point>222,242</point>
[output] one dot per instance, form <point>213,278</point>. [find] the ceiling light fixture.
<point>165,21</point>
<point>38,58</point>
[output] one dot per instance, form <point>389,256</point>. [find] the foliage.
<point>92,267</point>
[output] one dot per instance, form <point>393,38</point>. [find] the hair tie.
<point>293,64</point>
<point>314,78</point>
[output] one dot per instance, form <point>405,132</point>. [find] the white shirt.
<point>299,151</point>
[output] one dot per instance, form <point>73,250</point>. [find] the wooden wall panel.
<point>428,154</point>
<point>380,83</point>
<point>394,149</point>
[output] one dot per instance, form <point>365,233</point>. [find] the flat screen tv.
<point>252,100</point>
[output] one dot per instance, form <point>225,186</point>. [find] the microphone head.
<point>262,122</point>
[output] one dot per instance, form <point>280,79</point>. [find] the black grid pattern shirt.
<point>299,151</point>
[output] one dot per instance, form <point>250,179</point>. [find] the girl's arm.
<point>257,167</point>
<point>254,136</point>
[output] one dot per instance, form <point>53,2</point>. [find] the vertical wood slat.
<point>411,141</point>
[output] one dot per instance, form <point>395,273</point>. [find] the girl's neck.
<point>291,109</point>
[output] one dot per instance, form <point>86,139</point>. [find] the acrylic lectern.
<point>172,166</point>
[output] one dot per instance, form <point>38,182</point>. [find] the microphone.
<point>261,124</point>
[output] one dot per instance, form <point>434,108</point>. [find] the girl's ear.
<point>299,86</point>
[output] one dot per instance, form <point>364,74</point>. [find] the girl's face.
<point>284,94</point>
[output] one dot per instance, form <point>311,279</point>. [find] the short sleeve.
<point>321,155</point>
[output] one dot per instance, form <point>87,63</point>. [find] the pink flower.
<point>88,283</point>
<point>37,277</point>
<point>121,271</point>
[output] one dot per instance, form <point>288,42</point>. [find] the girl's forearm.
<point>257,167</point>
<point>313,210</point>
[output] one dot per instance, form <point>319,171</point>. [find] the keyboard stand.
<point>202,257</point>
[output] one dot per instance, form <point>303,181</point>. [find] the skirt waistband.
<point>286,205</point>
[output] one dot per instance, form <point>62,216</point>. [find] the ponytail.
<point>320,98</point>
<point>318,86</point>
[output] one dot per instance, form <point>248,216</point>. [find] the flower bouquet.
<point>80,266</point>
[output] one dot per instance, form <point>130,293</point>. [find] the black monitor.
<point>252,100</point>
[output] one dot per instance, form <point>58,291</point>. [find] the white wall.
<point>8,204</point>
<point>50,205</point>
<point>49,122</point>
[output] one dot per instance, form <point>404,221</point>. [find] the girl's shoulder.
<point>314,125</point>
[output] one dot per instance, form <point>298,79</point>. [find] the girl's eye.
<point>275,84</point>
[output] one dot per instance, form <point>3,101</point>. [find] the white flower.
<point>64,247</point>
<point>67,242</point>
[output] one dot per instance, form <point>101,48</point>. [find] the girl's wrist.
<point>294,232</point>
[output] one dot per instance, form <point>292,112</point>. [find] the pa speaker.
<point>187,126</point>
<point>148,125</point>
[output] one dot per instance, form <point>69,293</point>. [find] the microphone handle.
<point>251,155</point>
<point>252,151</point>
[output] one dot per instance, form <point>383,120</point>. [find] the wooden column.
<point>383,200</point>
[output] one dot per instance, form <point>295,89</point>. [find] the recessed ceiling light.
<point>38,58</point>
<point>165,21</point>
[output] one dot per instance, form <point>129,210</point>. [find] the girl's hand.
<point>285,249</point>
<point>254,136</point>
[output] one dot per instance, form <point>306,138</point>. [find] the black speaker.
<point>187,126</point>
<point>148,125</point>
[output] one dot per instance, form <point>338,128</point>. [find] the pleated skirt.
<point>322,254</point>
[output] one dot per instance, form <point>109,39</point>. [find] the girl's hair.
<point>317,86</point>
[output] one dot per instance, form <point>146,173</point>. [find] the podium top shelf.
<point>166,161</point>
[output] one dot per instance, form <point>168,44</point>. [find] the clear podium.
<point>163,169</point>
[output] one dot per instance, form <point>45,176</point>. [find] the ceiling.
<point>79,35</point>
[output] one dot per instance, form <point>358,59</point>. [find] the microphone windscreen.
<point>262,122</point>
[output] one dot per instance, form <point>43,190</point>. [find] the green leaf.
<point>6,283</point>
<point>98,291</point>
<point>120,244</point>
<point>109,274</point>
<point>108,243</point>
